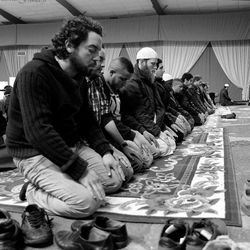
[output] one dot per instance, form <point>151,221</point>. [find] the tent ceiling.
<point>37,11</point>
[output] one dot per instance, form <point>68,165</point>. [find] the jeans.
<point>57,192</point>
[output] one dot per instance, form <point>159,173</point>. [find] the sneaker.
<point>86,237</point>
<point>117,229</point>
<point>10,232</point>
<point>203,231</point>
<point>36,226</point>
<point>245,198</point>
<point>174,234</point>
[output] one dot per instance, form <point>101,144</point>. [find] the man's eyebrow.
<point>94,46</point>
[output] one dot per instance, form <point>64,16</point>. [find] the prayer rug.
<point>197,181</point>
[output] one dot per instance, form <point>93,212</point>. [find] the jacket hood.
<point>46,55</point>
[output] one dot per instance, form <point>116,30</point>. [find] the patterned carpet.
<point>196,182</point>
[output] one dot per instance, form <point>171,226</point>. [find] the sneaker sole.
<point>41,243</point>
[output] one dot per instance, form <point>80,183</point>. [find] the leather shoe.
<point>174,234</point>
<point>36,227</point>
<point>86,237</point>
<point>203,231</point>
<point>10,232</point>
<point>117,229</point>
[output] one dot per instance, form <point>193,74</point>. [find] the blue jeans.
<point>57,192</point>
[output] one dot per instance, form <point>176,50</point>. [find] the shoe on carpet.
<point>117,229</point>
<point>86,237</point>
<point>245,198</point>
<point>10,232</point>
<point>203,231</point>
<point>174,234</point>
<point>36,227</point>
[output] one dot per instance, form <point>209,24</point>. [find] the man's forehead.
<point>152,60</point>
<point>95,40</point>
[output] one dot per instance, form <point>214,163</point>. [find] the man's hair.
<point>196,78</point>
<point>177,81</point>
<point>186,76</point>
<point>159,61</point>
<point>123,62</point>
<point>74,31</point>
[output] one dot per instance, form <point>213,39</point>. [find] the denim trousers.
<point>57,192</point>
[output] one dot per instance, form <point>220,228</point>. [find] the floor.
<point>146,236</point>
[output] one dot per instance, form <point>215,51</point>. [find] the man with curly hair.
<point>53,135</point>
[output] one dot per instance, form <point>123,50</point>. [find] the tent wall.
<point>147,30</point>
<point>209,27</point>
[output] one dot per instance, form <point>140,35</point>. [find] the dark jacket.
<point>196,99</point>
<point>185,100</point>
<point>141,104</point>
<point>225,100</point>
<point>49,113</point>
<point>170,113</point>
<point>173,103</point>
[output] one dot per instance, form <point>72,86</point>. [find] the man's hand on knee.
<point>91,181</point>
<point>111,164</point>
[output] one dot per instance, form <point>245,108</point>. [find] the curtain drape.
<point>234,58</point>
<point>132,49</point>
<point>31,51</point>
<point>112,51</point>
<point>179,57</point>
<point>13,61</point>
<point>17,57</point>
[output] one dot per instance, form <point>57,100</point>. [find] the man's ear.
<point>111,72</point>
<point>69,47</point>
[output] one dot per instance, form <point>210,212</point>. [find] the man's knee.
<point>73,206</point>
<point>84,207</point>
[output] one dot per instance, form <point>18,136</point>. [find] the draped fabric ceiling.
<point>178,39</point>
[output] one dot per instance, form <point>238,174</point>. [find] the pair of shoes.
<point>98,233</point>
<point>179,234</point>
<point>204,231</point>
<point>36,227</point>
<point>245,198</point>
<point>10,232</point>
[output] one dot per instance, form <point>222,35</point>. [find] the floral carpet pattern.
<point>190,183</point>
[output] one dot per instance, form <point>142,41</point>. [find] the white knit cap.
<point>167,77</point>
<point>226,85</point>
<point>146,53</point>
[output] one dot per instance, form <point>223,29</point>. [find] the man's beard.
<point>78,66</point>
<point>148,74</point>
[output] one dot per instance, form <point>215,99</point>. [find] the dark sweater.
<point>49,113</point>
